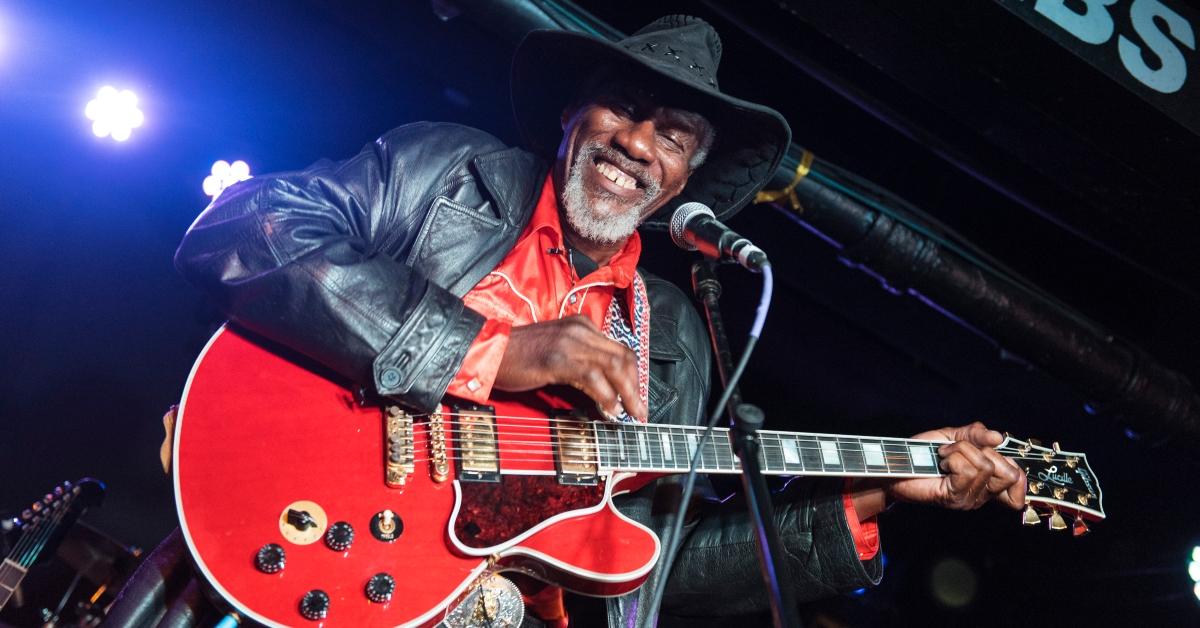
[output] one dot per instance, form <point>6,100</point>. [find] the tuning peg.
<point>1056,521</point>
<point>1072,462</point>
<point>1035,442</point>
<point>1080,528</point>
<point>1055,447</point>
<point>1083,498</point>
<point>1030,518</point>
<point>1060,492</point>
<point>1035,487</point>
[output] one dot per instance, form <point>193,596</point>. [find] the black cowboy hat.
<point>676,51</point>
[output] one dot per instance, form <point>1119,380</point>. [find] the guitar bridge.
<point>575,452</point>
<point>398,449</point>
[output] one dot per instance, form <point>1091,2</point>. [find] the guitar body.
<point>295,498</point>
<point>259,435</point>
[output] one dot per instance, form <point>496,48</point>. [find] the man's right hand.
<point>574,352</point>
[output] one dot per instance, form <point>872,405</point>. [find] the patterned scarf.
<point>637,338</point>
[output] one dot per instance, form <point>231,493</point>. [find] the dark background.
<point>965,111</point>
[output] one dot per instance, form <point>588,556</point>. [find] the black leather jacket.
<point>361,265</point>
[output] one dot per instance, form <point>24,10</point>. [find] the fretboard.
<point>669,449</point>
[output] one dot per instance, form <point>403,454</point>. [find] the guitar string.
<point>777,449</point>
<point>546,455</point>
<point>683,429</point>
<point>27,533</point>
<point>771,449</point>
<point>31,544</point>
<point>651,426</point>
<point>20,550</point>
<point>45,534</point>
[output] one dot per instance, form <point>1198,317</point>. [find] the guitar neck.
<point>651,448</point>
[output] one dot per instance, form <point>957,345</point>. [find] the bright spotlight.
<point>225,174</point>
<point>114,113</point>
<point>1194,566</point>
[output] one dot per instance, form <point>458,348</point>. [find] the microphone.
<point>694,227</point>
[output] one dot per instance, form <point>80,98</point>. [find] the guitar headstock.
<point>82,494</point>
<point>1059,481</point>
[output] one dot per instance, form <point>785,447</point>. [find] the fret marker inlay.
<point>829,453</point>
<point>791,455</point>
<point>920,456</point>
<point>874,454</point>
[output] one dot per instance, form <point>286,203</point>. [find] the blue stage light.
<point>225,174</point>
<point>114,113</point>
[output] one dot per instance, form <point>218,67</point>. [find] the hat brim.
<point>548,68</point>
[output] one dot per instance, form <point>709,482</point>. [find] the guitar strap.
<point>633,332</point>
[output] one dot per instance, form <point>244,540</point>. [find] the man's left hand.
<point>974,475</point>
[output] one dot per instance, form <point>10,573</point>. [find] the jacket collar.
<point>513,178</point>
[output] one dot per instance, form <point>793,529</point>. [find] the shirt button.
<point>572,299</point>
<point>474,385</point>
<point>389,378</point>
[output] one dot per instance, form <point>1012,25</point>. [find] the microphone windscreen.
<point>679,220</point>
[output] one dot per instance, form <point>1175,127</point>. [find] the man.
<point>439,262</point>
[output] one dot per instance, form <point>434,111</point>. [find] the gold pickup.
<point>576,449</point>
<point>479,449</point>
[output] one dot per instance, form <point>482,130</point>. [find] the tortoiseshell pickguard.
<point>495,512</point>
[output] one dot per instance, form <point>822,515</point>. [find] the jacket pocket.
<point>452,239</point>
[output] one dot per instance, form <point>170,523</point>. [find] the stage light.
<point>953,583</point>
<point>225,174</point>
<point>1194,565</point>
<point>114,113</point>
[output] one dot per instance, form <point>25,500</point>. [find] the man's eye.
<point>623,107</point>
<point>674,142</point>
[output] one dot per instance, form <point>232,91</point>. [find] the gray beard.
<point>590,224</point>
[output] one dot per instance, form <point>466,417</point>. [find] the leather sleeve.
<point>309,259</point>
<point>717,571</point>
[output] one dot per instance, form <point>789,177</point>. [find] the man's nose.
<point>637,140</point>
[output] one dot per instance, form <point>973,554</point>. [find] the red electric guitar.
<point>302,505</point>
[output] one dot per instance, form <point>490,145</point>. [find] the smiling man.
<point>438,262</point>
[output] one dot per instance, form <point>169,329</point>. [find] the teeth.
<point>616,176</point>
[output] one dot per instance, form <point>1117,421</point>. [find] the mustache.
<point>592,150</point>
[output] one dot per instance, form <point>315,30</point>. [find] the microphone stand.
<point>744,421</point>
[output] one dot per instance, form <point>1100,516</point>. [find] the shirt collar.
<point>545,220</point>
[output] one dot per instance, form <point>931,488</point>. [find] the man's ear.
<point>567,113</point>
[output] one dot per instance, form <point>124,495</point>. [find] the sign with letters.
<point>1148,46</point>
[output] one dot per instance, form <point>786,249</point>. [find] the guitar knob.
<point>339,536</point>
<point>270,558</point>
<point>380,588</point>
<point>314,605</point>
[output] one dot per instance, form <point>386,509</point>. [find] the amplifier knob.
<point>380,588</point>
<point>314,605</point>
<point>270,558</point>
